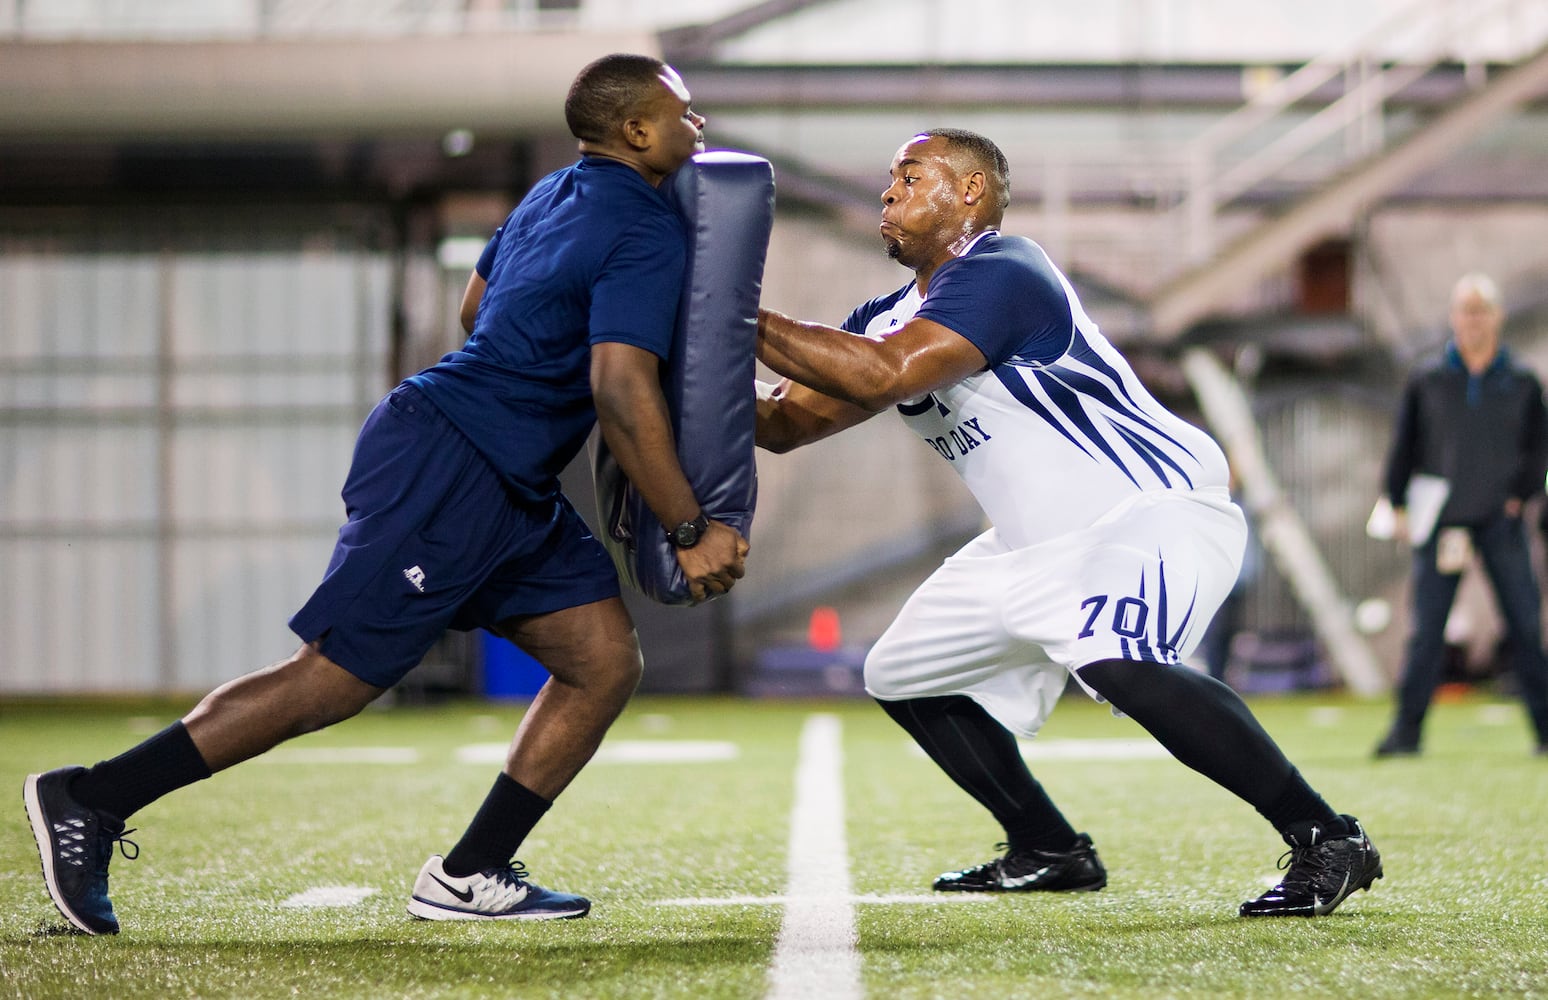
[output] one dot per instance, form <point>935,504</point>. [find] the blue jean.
<point>1502,545</point>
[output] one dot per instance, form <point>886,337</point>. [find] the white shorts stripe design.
<point>1007,626</point>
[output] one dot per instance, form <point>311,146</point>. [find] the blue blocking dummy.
<point>726,200</point>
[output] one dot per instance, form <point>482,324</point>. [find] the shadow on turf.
<point>711,948</point>
<point>1113,925</point>
<point>485,965</point>
<point>48,930</point>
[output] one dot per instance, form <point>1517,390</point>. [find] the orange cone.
<point>823,632</point>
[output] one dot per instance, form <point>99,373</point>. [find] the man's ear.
<point>974,186</point>
<point>638,133</point>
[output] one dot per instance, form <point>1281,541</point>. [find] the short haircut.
<point>608,91</point>
<point>1480,284</point>
<point>983,153</point>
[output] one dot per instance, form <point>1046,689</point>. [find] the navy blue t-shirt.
<point>593,253</point>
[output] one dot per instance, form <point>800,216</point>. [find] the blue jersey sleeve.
<point>487,258</point>
<point>860,317</point>
<point>1003,306</point>
<point>855,322</point>
<point>634,300</point>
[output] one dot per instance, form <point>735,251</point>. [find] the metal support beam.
<point>508,82</point>
<point>1284,536</point>
<point>1332,209</point>
<point>696,42</point>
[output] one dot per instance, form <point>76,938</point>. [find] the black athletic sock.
<point>508,814</point>
<point>982,757</point>
<point>1298,808</point>
<point>142,774</point>
<point>1208,727</point>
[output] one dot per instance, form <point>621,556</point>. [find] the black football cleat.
<point>1075,870</point>
<point>1320,873</point>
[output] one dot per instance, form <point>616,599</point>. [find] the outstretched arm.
<point>632,414</point>
<point>791,415</point>
<point>919,358</point>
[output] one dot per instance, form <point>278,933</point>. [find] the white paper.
<point>1426,496</point>
<point>1382,524</point>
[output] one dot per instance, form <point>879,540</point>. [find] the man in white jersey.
<point>1114,537</point>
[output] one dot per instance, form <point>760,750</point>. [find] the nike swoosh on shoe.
<point>466,895</point>
<point>1021,880</point>
<point>1321,909</point>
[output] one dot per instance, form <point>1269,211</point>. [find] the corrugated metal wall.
<point>176,416</point>
<point>1327,446</point>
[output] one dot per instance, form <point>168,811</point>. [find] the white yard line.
<point>329,896</point>
<point>815,955</point>
<point>341,755</point>
<point>1498,715</point>
<point>911,899</point>
<point>622,752</point>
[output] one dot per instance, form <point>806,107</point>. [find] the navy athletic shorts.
<point>435,540</point>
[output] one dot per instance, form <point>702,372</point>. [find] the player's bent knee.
<point>592,647</point>
<point>325,693</point>
<point>625,675</point>
<point>606,671</point>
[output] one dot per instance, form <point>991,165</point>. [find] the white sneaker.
<point>495,894</point>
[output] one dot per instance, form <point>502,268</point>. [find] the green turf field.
<point>1463,910</point>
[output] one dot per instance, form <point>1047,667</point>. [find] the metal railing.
<point>1393,55</point>
<point>248,19</point>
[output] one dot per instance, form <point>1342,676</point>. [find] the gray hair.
<point>1480,284</point>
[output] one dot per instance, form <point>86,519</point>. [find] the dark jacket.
<point>1486,434</point>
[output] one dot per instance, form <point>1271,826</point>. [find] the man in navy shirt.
<point>1113,536</point>
<point>455,519</point>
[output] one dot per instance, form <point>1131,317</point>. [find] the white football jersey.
<point>1057,429</point>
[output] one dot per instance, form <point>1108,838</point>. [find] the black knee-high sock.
<point>1208,727</point>
<point>142,774</point>
<point>508,814</point>
<point>982,757</point>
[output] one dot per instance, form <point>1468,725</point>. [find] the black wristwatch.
<point>687,534</point>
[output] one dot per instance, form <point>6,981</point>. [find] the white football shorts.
<point>1006,627</point>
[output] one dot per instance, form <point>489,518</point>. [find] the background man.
<point>1475,419</point>
<point>456,519</point>
<point>1113,541</point>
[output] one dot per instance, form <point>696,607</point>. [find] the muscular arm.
<point>632,414</point>
<point>471,297</point>
<point>794,415</point>
<point>919,358</point>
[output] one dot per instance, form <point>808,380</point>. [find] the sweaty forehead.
<point>921,149</point>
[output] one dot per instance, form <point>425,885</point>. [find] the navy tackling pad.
<point>726,200</point>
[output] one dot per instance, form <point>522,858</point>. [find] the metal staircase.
<point>1338,160</point>
<point>1368,169</point>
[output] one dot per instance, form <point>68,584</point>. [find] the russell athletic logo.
<point>416,576</point>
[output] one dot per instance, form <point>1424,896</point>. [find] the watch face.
<point>687,534</point>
